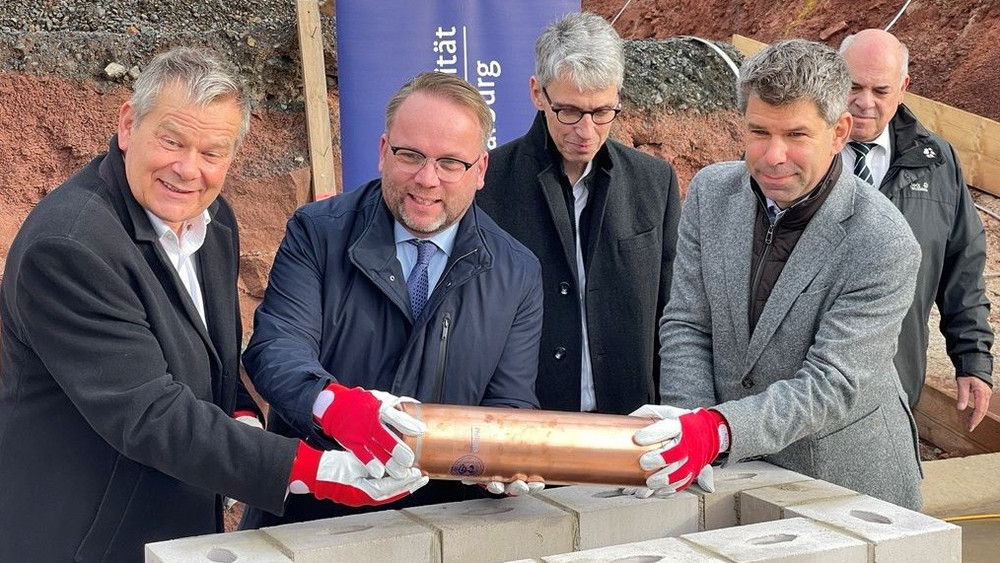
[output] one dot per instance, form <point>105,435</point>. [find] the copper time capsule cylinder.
<point>498,444</point>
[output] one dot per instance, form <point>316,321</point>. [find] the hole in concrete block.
<point>346,530</point>
<point>219,555</point>
<point>870,517</point>
<point>797,487</point>
<point>489,511</point>
<point>610,493</point>
<point>638,559</point>
<point>772,539</point>
<point>740,477</point>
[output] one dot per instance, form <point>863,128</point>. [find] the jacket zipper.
<point>443,355</point>
<point>759,269</point>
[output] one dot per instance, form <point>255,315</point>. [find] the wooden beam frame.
<point>324,183</point>
<point>941,424</point>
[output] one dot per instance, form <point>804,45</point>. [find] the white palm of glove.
<point>339,469</point>
<point>666,430</point>
<point>515,488</point>
<point>402,458</point>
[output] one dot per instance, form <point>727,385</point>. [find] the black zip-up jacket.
<point>925,183</point>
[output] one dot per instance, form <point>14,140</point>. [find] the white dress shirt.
<point>878,158</point>
<point>181,252</point>
<point>588,400</point>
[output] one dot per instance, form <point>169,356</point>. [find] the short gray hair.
<point>204,75</point>
<point>904,56</point>
<point>793,70</point>
<point>582,47</point>
<point>449,87</point>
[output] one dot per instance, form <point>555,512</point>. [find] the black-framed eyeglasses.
<point>448,169</point>
<point>572,116</point>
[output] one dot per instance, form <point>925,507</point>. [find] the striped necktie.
<point>861,169</point>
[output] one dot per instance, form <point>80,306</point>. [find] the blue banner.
<point>382,43</point>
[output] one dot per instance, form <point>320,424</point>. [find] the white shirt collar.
<point>883,139</point>
<point>445,240</point>
<point>193,233</point>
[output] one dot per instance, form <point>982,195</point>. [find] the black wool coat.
<point>631,241</point>
<point>115,401</point>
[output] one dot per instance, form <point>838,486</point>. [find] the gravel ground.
<point>80,39</point>
<point>679,74</point>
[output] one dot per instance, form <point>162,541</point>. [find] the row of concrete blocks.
<point>758,512</point>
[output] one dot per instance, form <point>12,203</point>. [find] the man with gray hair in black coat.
<point>600,216</point>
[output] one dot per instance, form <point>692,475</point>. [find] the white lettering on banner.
<point>446,47</point>
<point>487,89</point>
<point>447,59</point>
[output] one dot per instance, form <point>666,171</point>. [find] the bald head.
<point>879,77</point>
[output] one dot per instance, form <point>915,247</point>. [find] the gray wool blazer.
<point>813,389</point>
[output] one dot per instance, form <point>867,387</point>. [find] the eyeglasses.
<point>572,116</point>
<point>447,169</point>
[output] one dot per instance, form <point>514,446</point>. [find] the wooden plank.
<point>746,45</point>
<point>976,139</point>
<point>324,181</point>
<point>939,423</point>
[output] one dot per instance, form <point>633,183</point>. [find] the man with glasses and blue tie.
<point>920,173</point>
<point>402,288</point>
<point>601,217</point>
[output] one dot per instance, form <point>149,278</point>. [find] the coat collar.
<point>913,146</point>
<point>374,251</point>
<point>554,183</point>
<point>218,300</point>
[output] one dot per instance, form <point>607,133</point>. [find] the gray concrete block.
<point>387,536</point>
<point>664,550</point>
<point>768,503</point>
<point>797,540</point>
<point>719,509</point>
<point>606,517</point>
<point>498,530</point>
<point>235,547</point>
<point>894,534</point>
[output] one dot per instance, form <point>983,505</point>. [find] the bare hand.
<point>971,387</point>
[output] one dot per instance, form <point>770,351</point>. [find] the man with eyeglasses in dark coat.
<point>600,216</point>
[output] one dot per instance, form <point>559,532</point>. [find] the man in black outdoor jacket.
<point>920,173</point>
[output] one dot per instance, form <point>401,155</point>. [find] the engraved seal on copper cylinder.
<point>467,466</point>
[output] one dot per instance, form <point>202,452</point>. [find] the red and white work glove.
<point>691,442</point>
<point>357,420</point>
<point>339,476</point>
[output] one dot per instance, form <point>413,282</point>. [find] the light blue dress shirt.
<point>406,253</point>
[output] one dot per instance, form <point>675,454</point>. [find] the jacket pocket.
<point>640,241</point>
<point>114,503</point>
<point>861,456</point>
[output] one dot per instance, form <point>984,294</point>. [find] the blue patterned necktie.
<point>861,169</point>
<point>418,284</point>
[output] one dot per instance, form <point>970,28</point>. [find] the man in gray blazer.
<point>790,284</point>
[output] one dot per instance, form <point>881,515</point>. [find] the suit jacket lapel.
<point>821,236</point>
<point>552,190</point>
<point>737,240</point>
<point>134,219</point>
<point>217,272</point>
